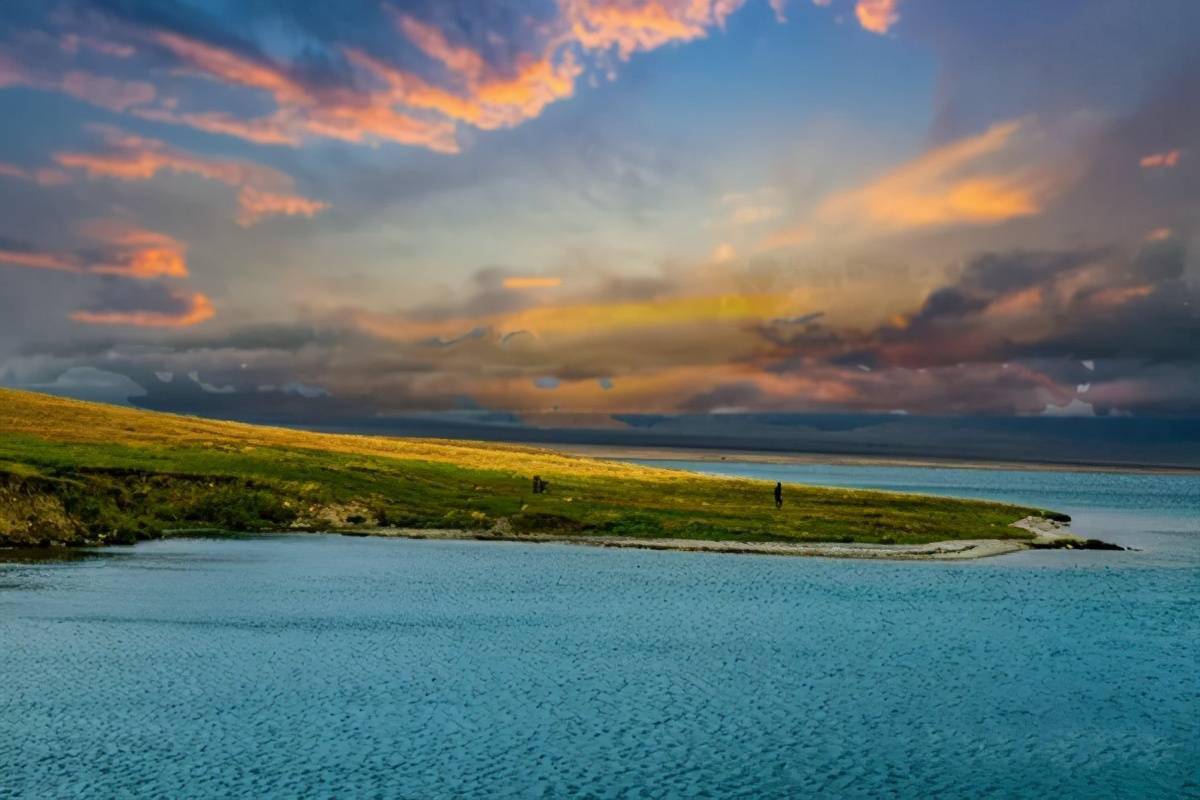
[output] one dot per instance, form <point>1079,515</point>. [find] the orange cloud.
<point>197,309</point>
<point>135,158</point>
<point>1166,159</point>
<point>958,183</point>
<point>256,204</point>
<point>409,109</point>
<point>629,27</point>
<point>877,16</point>
<point>136,252</point>
<point>128,252</point>
<point>531,282</point>
<point>459,59</point>
<point>234,68</point>
<point>343,114</point>
<point>264,191</point>
<point>488,98</point>
<point>1158,235</point>
<point>484,97</point>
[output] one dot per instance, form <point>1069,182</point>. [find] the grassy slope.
<point>73,471</point>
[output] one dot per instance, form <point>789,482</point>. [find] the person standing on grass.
<point>778,495</point>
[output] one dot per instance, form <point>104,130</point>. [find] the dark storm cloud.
<point>1004,306</point>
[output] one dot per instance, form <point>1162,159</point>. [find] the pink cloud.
<point>877,16</point>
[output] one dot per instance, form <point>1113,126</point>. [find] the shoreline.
<point>650,453</point>
<point>1047,535</point>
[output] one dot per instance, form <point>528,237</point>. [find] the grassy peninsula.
<point>73,472</point>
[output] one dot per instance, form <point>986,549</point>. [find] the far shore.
<point>653,453</point>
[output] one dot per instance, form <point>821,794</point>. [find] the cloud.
<point>106,92</point>
<point>303,108</point>
<point>877,16</point>
<point>120,249</point>
<point>134,252</point>
<point>153,307</point>
<point>132,264</point>
<point>1166,159</point>
<point>531,282</point>
<point>1011,332</point>
<point>628,26</point>
<point>255,204</point>
<point>21,255</point>
<point>42,177</point>
<point>264,192</point>
<point>999,175</point>
<point>948,185</point>
<point>110,93</point>
<point>358,94</point>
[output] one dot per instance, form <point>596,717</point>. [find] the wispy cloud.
<point>984,179</point>
<point>264,191</point>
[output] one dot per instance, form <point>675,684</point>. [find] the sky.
<point>600,207</point>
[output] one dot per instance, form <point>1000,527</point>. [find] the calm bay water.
<point>329,666</point>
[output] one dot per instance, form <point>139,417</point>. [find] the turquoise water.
<point>327,666</point>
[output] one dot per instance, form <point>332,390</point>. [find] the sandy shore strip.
<point>1048,533</point>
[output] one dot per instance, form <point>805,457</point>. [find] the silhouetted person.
<point>778,495</point>
<point>539,485</point>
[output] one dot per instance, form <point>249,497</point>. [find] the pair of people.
<point>539,485</point>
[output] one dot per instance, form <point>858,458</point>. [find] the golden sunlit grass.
<point>75,471</point>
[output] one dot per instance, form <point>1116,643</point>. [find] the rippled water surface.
<point>329,666</point>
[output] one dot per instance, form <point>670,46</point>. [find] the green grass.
<point>73,472</point>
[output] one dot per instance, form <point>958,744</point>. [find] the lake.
<point>317,665</point>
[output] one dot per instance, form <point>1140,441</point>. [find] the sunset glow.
<point>604,206</point>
